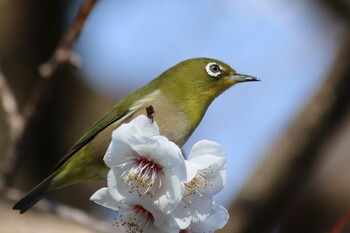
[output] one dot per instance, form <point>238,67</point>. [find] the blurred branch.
<point>63,51</point>
<point>14,119</point>
<point>41,93</point>
<point>288,166</point>
<point>62,54</point>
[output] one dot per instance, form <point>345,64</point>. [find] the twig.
<point>9,104</point>
<point>150,112</point>
<point>62,54</point>
<point>15,122</point>
<point>41,93</point>
<point>63,51</point>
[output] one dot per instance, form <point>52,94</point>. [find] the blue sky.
<point>289,45</point>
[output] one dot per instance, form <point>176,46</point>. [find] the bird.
<point>180,97</point>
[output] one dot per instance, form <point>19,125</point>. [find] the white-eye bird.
<point>180,97</point>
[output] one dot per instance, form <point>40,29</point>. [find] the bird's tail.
<point>34,195</point>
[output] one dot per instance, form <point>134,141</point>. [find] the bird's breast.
<point>172,121</point>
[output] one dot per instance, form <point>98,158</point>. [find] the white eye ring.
<point>213,69</point>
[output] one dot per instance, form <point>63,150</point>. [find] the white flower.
<point>206,176</point>
<point>216,220</point>
<point>134,217</point>
<point>208,169</point>
<point>154,189</point>
<point>145,166</point>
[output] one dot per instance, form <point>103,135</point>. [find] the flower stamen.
<point>135,219</point>
<point>196,186</point>
<point>140,175</point>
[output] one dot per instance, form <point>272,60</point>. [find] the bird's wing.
<point>119,113</point>
<point>104,122</point>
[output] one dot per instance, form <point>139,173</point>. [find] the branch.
<point>62,54</point>
<point>40,96</point>
<point>9,103</point>
<point>14,120</point>
<point>63,51</point>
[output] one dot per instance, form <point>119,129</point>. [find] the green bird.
<point>180,97</point>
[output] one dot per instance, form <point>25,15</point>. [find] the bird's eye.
<point>213,69</point>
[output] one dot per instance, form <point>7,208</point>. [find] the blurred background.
<point>287,137</point>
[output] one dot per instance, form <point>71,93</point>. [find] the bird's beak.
<point>243,78</point>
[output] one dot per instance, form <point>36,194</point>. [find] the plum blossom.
<point>145,166</point>
<point>206,176</point>
<point>152,187</point>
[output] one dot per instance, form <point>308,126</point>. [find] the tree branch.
<point>9,103</point>
<point>63,51</point>
<point>14,120</point>
<point>41,93</point>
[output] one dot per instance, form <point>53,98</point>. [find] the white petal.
<point>206,147</point>
<point>201,208</point>
<point>116,153</point>
<point>167,198</point>
<point>144,126</point>
<point>119,146</point>
<point>143,145</point>
<point>210,161</point>
<point>217,183</point>
<point>122,133</point>
<point>118,189</point>
<point>191,169</point>
<point>102,197</point>
<point>182,215</point>
<point>165,222</point>
<point>217,220</point>
<point>171,157</point>
<point>178,168</point>
<point>163,152</point>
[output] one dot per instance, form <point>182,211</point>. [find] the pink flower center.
<point>147,165</point>
<point>141,175</point>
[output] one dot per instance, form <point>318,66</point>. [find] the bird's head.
<point>201,79</point>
